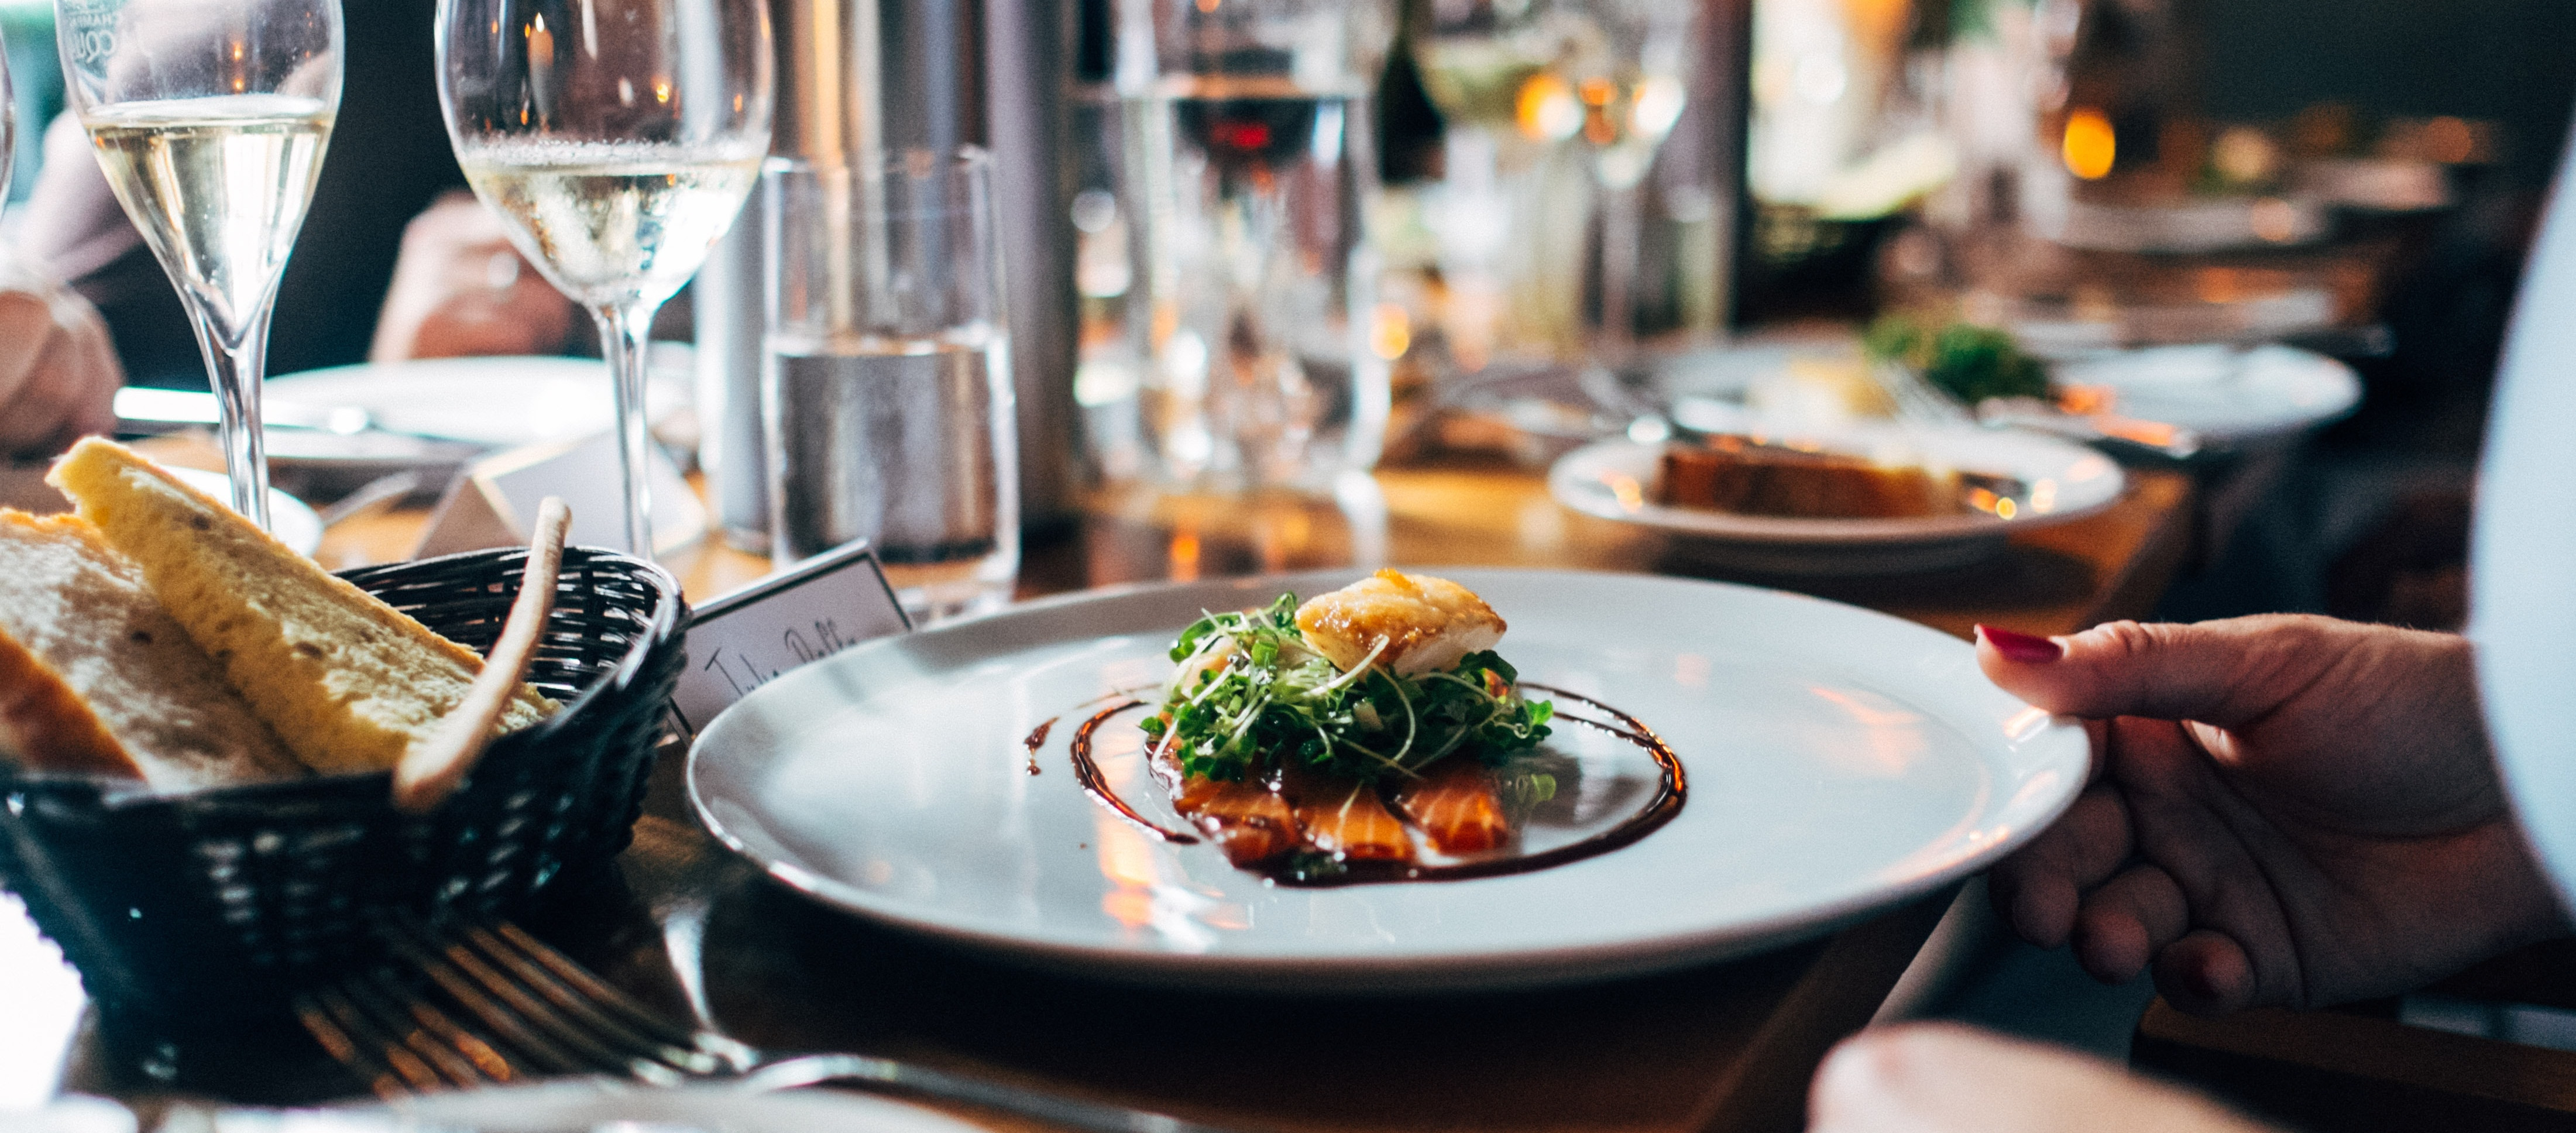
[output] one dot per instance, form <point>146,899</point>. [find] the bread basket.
<point>220,901</point>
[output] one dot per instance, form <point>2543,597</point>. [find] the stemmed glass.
<point>1628,78</point>
<point>1515,79</point>
<point>210,118</point>
<point>618,138</point>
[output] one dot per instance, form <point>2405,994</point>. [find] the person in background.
<point>58,372</point>
<point>389,190</point>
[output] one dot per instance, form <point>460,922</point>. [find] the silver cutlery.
<point>468,1005</point>
<point>141,409</point>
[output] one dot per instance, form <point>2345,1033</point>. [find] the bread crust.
<point>46,727</point>
<point>346,681</point>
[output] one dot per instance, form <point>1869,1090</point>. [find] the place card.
<point>805,613</point>
<point>493,501</point>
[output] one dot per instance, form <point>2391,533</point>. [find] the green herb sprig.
<point>1971,363</point>
<point>1252,694</point>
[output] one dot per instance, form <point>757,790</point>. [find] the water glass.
<point>886,385</point>
<point>1226,277</point>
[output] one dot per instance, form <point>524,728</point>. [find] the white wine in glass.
<point>210,118</point>
<point>618,143</point>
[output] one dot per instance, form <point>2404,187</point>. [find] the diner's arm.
<point>2285,810</point>
<point>1944,1078</point>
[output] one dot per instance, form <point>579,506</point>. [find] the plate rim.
<point>2348,393</point>
<point>1367,974</point>
<point>1564,483</point>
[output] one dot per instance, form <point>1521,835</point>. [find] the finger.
<point>2226,673</point>
<point>2206,973</point>
<point>41,407</point>
<point>2039,889</point>
<point>26,324</point>
<point>2127,921</point>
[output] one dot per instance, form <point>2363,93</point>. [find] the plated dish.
<point>1838,760</point>
<point>2057,481</point>
<point>2227,394</point>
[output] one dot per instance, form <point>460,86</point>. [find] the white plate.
<point>2226,394</point>
<point>293,523</point>
<point>1837,760</point>
<point>1615,480</point>
<point>592,1104</point>
<point>504,401</point>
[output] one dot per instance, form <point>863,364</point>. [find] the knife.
<point>142,410</point>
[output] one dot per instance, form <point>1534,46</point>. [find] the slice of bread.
<point>97,679</point>
<point>346,680</point>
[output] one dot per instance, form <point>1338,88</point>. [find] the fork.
<point>1916,400</point>
<point>540,1013</point>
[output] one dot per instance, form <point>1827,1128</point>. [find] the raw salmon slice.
<point>1458,806</point>
<point>1251,823</point>
<point>1346,819</point>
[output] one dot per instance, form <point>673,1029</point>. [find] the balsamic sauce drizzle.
<point>1037,739</point>
<point>1087,772</point>
<point>1671,791</point>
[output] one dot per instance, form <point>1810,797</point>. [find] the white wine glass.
<point>617,139</point>
<point>210,118</point>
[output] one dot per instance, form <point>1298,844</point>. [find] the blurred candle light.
<point>2090,145</point>
<point>1390,332</point>
<point>1547,108</point>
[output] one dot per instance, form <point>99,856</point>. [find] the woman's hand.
<point>1943,1078</point>
<point>461,289</point>
<point>58,371</point>
<point>2286,810</point>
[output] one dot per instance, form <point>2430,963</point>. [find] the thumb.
<point>2224,673</point>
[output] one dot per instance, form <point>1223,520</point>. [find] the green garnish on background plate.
<point>1971,363</point>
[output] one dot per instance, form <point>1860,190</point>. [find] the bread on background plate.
<point>97,679</point>
<point>345,680</point>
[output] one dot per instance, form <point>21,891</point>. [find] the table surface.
<point>1720,1046</point>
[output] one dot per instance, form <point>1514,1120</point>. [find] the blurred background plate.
<point>2227,394</point>
<point>1615,480</point>
<point>498,402</point>
<point>293,523</point>
<point>593,1104</point>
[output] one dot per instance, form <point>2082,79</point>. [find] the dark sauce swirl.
<point>1308,871</point>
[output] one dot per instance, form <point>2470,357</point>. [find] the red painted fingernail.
<point>2022,647</point>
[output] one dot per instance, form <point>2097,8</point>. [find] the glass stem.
<point>1621,240</point>
<point>623,331</point>
<point>237,368</point>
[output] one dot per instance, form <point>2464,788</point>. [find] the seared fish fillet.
<point>1426,623</point>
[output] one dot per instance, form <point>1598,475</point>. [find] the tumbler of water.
<point>886,393</point>
<point>1234,163</point>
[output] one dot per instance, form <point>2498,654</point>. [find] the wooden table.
<point>1720,1046</point>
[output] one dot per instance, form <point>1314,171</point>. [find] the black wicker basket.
<point>220,900</point>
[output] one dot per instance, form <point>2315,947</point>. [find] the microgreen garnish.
<point>1251,694</point>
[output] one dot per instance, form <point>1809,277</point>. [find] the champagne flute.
<point>618,139</point>
<point>210,118</point>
